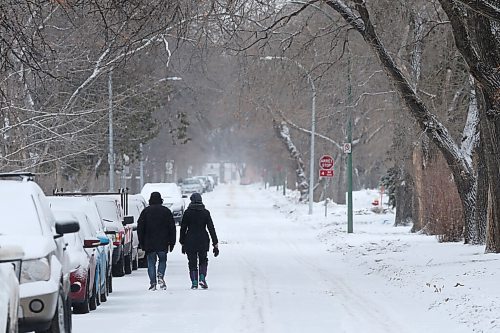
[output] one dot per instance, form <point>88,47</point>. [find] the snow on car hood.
<point>34,247</point>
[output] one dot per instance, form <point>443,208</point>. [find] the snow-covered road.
<point>273,275</point>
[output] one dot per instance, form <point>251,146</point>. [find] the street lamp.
<point>313,124</point>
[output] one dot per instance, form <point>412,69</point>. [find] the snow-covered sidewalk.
<point>448,281</point>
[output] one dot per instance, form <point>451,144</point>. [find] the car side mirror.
<point>134,228</point>
<point>66,228</point>
<point>184,196</point>
<point>128,220</point>
<point>110,232</point>
<point>91,242</point>
<point>104,240</point>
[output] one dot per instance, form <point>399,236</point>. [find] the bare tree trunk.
<point>417,202</point>
<point>478,40</point>
<point>284,134</point>
<point>404,198</point>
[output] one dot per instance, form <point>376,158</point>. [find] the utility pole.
<point>111,154</point>
<point>349,140</point>
<point>141,166</point>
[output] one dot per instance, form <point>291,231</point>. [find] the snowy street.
<point>273,275</point>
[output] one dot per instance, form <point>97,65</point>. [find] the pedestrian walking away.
<point>156,232</point>
<point>195,241</point>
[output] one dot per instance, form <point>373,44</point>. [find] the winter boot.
<point>161,282</point>
<point>152,286</point>
<point>194,279</point>
<point>203,274</point>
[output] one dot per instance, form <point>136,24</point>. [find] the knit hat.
<point>195,197</point>
<point>155,198</point>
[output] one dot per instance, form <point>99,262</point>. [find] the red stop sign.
<point>326,162</point>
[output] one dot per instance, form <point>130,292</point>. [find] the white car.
<point>28,222</point>
<point>10,265</point>
<point>172,197</point>
<point>192,185</point>
<point>136,204</point>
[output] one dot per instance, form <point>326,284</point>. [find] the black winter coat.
<point>195,222</point>
<point>156,228</point>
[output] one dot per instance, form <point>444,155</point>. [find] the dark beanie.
<point>155,198</point>
<point>195,197</point>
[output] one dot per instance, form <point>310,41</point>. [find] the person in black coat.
<point>195,241</point>
<point>156,232</point>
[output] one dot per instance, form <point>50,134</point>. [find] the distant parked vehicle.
<point>207,184</point>
<point>171,194</point>
<point>192,185</point>
<point>45,303</point>
<point>215,178</point>
<point>10,270</point>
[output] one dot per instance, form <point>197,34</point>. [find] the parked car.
<point>87,205</point>
<point>10,270</point>
<point>172,197</point>
<point>215,178</point>
<point>45,304</point>
<point>84,256</point>
<point>136,204</point>
<point>192,185</point>
<point>207,184</point>
<point>111,211</point>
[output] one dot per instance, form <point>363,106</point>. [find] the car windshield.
<point>108,210</point>
<point>19,215</point>
<point>191,182</point>
<point>78,204</point>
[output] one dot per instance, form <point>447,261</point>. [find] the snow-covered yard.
<point>447,280</point>
<point>282,270</point>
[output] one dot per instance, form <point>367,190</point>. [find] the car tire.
<point>135,263</point>
<point>68,319</point>
<point>58,322</point>
<point>92,300</point>
<point>104,293</point>
<point>142,263</point>
<point>118,269</point>
<point>110,283</point>
<point>128,264</point>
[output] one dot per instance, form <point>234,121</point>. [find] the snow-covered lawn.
<point>281,270</point>
<point>448,280</point>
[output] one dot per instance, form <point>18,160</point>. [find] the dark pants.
<point>195,258</point>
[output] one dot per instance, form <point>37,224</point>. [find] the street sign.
<point>326,173</point>
<point>326,162</point>
<point>347,148</point>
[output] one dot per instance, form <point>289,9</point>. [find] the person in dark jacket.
<point>195,242</point>
<point>156,232</point>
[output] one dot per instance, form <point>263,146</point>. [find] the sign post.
<point>326,163</point>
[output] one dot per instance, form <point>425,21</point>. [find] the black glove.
<point>216,251</point>
<point>183,250</point>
